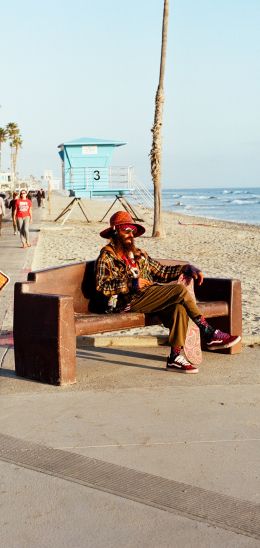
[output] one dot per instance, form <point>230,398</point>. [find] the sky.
<point>90,69</point>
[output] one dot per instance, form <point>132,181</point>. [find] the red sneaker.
<point>179,363</point>
<point>222,340</point>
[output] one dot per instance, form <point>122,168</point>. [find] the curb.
<point>104,341</point>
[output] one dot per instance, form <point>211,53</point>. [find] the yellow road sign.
<point>3,280</point>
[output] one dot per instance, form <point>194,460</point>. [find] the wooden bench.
<point>52,308</point>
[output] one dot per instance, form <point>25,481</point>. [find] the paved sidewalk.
<point>15,262</point>
<point>196,435</point>
<point>190,432</point>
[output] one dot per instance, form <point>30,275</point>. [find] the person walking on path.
<point>12,206</point>
<point>43,197</point>
<point>127,279</point>
<point>2,212</point>
<point>23,217</point>
<point>39,198</point>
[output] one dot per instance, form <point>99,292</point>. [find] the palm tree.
<point>156,149</point>
<point>13,132</point>
<point>3,138</point>
<point>16,143</point>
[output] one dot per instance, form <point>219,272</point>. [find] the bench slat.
<point>88,324</point>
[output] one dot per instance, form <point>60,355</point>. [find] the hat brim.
<point>109,232</point>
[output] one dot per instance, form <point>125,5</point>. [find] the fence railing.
<point>87,178</point>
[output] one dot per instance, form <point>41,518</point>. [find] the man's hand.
<point>142,283</point>
<point>191,271</point>
<point>198,276</point>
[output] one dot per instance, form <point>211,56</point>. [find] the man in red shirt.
<point>23,216</point>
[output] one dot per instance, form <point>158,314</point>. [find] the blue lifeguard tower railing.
<point>87,172</point>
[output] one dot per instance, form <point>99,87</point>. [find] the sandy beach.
<point>219,248</point>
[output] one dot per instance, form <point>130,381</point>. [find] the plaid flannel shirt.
<point>114,277</point>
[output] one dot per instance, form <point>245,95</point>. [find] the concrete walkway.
<point>15,262</point>
<point>198,433</point>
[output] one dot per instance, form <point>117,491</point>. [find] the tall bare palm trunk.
<point>15,154</point>
<point>14,135</point>
<point>12,164</point>
<point>156,150</point>
<point>3,138</point>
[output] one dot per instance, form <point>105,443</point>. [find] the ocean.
<point>240,205</point>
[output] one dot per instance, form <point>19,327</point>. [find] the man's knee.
<point>180,291</point>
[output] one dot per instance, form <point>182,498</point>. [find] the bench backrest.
<point>64,280</point>
<point>76,280</point>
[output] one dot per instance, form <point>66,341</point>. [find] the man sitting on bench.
<point>130,280</point>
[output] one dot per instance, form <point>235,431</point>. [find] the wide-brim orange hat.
<point>121,218</point>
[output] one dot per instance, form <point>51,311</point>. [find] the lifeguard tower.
<point>87,172</point>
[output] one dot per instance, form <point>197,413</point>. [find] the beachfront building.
<point>5,180</point>
<point>87,169</point>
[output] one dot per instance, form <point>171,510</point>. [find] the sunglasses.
<point>128,230</point>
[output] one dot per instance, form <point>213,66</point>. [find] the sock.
<point>175,351</point>
<point>206,330</point>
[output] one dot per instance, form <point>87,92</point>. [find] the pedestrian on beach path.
<point>39,198</point>
<point>23,217</point>
<point>2,212</point>
<point>12,206</point>
<point>129,280</point>
<point>43,197</point>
